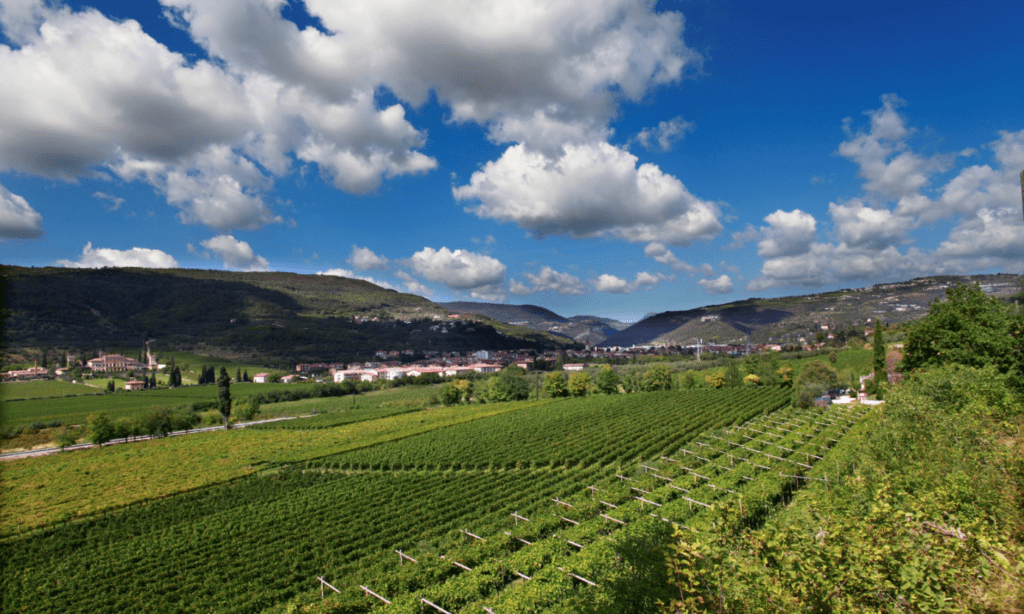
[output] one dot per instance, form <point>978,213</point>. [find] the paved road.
<point>82,446</point>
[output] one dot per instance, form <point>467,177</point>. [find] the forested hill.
<point>787,319</point>
<point>275,316</point>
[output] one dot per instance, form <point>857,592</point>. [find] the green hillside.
<point>275,316</point>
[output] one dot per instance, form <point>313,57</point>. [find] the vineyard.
<point>553,503</point>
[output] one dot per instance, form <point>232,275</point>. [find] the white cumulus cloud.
<point>95,258</point>
<point>720,285</point>
<point>591,190</point>
<point>364,259</point>
<point>787,233</point>
<point>236,254</point>
<point>548,279</point>
<point>616,285</point>
<point>459,269</point>
<point>18,220</point>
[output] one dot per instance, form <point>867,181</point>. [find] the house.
<point>114,362</point>
<point>393,374</point>
<point>481,367</point>
<point>352,375</point>
<point>260,378</point>
<point>574,366</point>
<point>134,385</point>
<point>453,371</point>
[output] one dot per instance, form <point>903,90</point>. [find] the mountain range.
<point>287,317</point>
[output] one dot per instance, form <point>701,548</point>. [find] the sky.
<point>610,157</point>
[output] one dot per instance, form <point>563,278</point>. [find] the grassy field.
<point>14,391</point>
<point>75,410</point>
<point>40,491</point>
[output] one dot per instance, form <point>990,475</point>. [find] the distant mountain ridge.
<point>582,329</point>
<point>778,320</point>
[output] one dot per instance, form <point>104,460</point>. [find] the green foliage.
<point>556,384</point>
<point>608,380</point>
<point>509,385</point>
<point>715,379</point>
<point>101,429</point>
<point>224,395</point>
<point>65,437</point>
<point>657,377</point>
<point>969,329</point>
<point>878,349</point>
<point>733,377</point>
<point>814,380</point>
<point>580,384</point>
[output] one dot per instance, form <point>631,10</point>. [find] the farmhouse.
<point>114,362</point>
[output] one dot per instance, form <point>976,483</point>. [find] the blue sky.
<point>610,157</point>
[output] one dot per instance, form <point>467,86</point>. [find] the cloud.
<point>890,168</point>
<point>787,233</point>
<point>721,285</point>
<point>352,275</point>
<point>213,134</point>
<point>459,269</point>
<point>115,202</point>
<point>617,285</point>
<point>90,87</point>
<point>363,259</point>
<point>134,257</point>
<point>548,279</point>
<point>860,225</point>
<point>581,194</point>
<point>665,134</point>
<point>662,254</point>
<point>744,236</point>
<point>18,220</point>
<point>236,254</point>
<point>216,187</point>
<point>413,286</point>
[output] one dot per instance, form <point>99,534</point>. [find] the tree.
<point>785,373</point>
<point>110,385</point>
<point>245,376</point>
<point>968,329</point>
<point>579,384</point>
<point>101,429</point>
<point>752,380</point>
<point>815,379</point>
<point>715,379</point>
<point>733,378</point>
<point>689,380</point>
<point>878,345</point>
<point>464,389</point>
<point>556,384</point>
<point>65,437</point>
<point>224,396</point>
<point>608,380</point>
<point>238,375</point>
<point>658,377</point>
<point>509,385</point>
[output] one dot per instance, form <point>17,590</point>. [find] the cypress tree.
<point>878,342</point>
<point>224,396</point>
